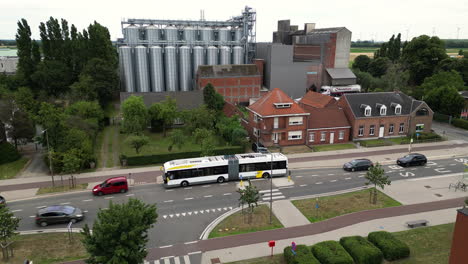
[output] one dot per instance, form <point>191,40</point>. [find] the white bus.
<point>184,172</point>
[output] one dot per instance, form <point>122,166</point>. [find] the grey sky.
<point>368,19</point>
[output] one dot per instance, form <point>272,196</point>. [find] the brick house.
<point>385,115</point>
<point>313,100</point>
<point>276,119</point>
<point>327,125</point>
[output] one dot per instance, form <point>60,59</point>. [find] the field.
<point>9,170</point>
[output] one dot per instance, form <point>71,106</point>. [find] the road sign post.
<point>316,207</point>
<point>271,244</point>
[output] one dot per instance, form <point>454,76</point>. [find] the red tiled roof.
<point>265,105</point>
<point>317,99</point>
<point>327,117</point>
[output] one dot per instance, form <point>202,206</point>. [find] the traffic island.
<point>243,222</point>
<point>65,188</point>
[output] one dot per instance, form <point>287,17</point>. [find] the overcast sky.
<point>368,19</point>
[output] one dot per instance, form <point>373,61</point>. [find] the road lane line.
<point>32,216</point>
<point>303,185</point>
<point>361,176</point>
<point>298,176</point>
<point>286,187</point>
<point>110,197</point>
<point>206,186</point>
<point>169,201</point>
<point>186,259</point>
<point>191,242</point>
<point>264,191</point>
<point>85,211</point>
<point>131,194</point>
<point>333,181</point>
<point>273,198</point>
<point>318,182</point>
<point>104,208</point>
<point>227,194</point>
<point>177,260</point>
<point>64,203</point>
<point>453,164</point>
<point>208,196</point>
<point>188,188</point>
<point>39,207</point>
<point>168,246</point>
<point>88,200</point>
<point>315,175</point>
<point>190,198</point>
<point>223,184</point>
<point>169,190</point>
<point>18,210</point>
<point>331,174</point>
<point>349,178</point>
<point>195,252</point>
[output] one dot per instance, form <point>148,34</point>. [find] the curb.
<point>328,194</point>
<point>204,235</point>
<point>57,230</point>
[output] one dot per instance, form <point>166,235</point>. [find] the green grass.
<point>110,143</point>
<point>363,50</point>
<point>456,50</point>
<point>238,223</point>
<point>332,206</point>
<point>9,170</point>
<point>400,140</point>
<point>47,248</point>
<point>65,188</point>
<point>334,147</point>
<point>276,259</point>
<point>374,143</point>
<point>98,147</point>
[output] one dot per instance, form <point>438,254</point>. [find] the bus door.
<point>233,169</point>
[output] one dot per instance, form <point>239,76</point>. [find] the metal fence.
<point>442,118</point>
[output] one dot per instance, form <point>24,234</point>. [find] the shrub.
<point>331,252</point>
<point>460,123</point>
<point>303,255</point>
<point>426,136</point>
<point>362,251</point>
<point>8,153</point>
<point>391,247</point>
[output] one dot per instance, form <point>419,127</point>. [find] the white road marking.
<point>426,167</point>
<point>32,216</point>
<point>414,169</point>
<point>171,215</point>
<point>333,181</point>
<point>273,198</point>
<point>177,215</point>
<point>298,176</point>
<point>166,246</point>
<point>183,214</point>
<point>264,191</point>
<point>453,164</point>
<point>85,211</point>
<point>230,208</point>
<point>193,253</point>
<point>202,212</point>
<point>227,194</point>
<point>165,216</point>
<point>223,184</point>
<point>303,185</point>
<point>349,178</point>
<point>188,188</point>
<point>189,213</point>
<point>176,260</point>
<point>110,197</point>
<point>331,174</point>
<point>206,186</point>
<point>442,170</point>
<point>219,209</point>
<point>286,187</point>
<point>104,208</point>
<point>315,175</point>
<point>225,209</point>
<point>406,174</point>
<point>318,182</point>
<point>64,203</point>
<point>196,212</point>
<point>213,210</point>
<point>389,171</point>
<point>131,194</point>
<point>186,259</point>
<point>208,196</point>
<point>190,198</point>
<point>167,261</point>
<point>88,200</point>
<point>39,207</point>
<point>169,190</point>
<point>169,201</point>
<point>18,210</point>
<point>361,176</point>
<point>347,174</point>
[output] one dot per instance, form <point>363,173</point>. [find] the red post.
<point>271,244</point>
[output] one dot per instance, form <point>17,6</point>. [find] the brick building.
<point>458,252</point>
<point>327,125</point>
<point>312,100</point>
<point>236,83</point>
<point>385,115</point>
<point>276,119</point>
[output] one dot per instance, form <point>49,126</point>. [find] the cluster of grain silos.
<point>154,58</point>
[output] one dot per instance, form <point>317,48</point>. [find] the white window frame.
<point>293,121</point>
<point>341,135</point>
<point>419,130</point>
<point>256,118</point>
<point>294,135</point>
<point>323,136</point>
<point>282,105</point>
<point>372,130</point>
<point>361,131</point>
<point>368,111</point>
<point>398,109</point>
<point>311,136</point>
<point>255,132</point>
<point>401,130</point>
<point>391,129</point>
<point>383,110</point>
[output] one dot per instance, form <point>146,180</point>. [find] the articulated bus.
<point>184,172</point>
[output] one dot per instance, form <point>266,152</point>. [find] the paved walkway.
<point>288,214</point>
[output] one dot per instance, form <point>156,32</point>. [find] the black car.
<point>258,147</point>
<point>412,159</point>
<point>2,200</point>
<point>58,214</point>
<point>358,164</point>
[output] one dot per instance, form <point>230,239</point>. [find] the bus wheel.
<point>220,180</point>
<point>184,184</point>
<point>266,175</point>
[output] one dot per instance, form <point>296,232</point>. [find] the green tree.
<point>167,113</point>
<point>361,63</point>
<point>376,176</point>
<point>52,77</point>
<point>120,233</point>
<point>7,230</point>
<point>379,66</point>
<point>156,121</point>
<point>367,81</point>
<point>208,146</point>
<point>86,115</point>
<point>100,45</point>
<point>201,133</point>
<point>212,99</point>
<point>396,78</point>
<point>52,118</point>
<point>231,129</point>
<point>103,80</point>
<point>71,162</point>
<point>460,52</point>
<point>134,114</point>
<point>445,100</point>
<point>422,56</point>
<point>200,117</point>
<point>177,138</point>
<point>27,51</point>
<point>443,78</point>
<point>250,196</point>
<point>137,142</point>
<point>394,51</point>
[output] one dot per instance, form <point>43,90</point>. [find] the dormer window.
<point>398,109</point>
<point>367,109</point>
<point>383,110</point>
<point>283,105</point>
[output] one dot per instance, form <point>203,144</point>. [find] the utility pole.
<point>271,188</point>
<point>50,157</point>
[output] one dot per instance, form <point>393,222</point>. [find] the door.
<point>107,188</point>
<point>381,131</point>
<point>275,137</point>
<point>275,123</point>
<point>332,137</point>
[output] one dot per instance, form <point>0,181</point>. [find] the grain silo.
<point>198,58</point>
<point>212,55</point>
<point>141,67</point>
<point>156,69</point>
<point>170,64</point>
<point>185,68</point>
<point>125,54</point>
<point>224,55</point>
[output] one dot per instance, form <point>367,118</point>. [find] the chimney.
<point>309,27</point>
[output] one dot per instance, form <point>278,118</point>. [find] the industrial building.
<point>8,64</point>
<point>164,55</point>
<point>302,60</point>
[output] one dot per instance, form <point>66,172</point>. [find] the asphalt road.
<point>185,212</point>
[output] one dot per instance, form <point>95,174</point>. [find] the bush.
<point>303,255</point>
<point>460,123</point>
<point>8,153</point>
<point>331,252</point>
<point>161,158</point>
<point>362,251</point>
<point>426,136</point>
<point>391,247</point>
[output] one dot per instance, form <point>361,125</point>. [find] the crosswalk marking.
<point>213,210</point>
<point>186,259</point>
<point>177,260</point>
<point>167,261</point>
<point>265,191</point>
<point>273,198</point>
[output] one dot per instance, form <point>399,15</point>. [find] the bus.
<point>337,91</point>
<point>185,172</point>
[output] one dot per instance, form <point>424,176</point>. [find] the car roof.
<point>121,178</point>
<point>56,208</point>
<point>361,159</point>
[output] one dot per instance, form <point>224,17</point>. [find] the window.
<point>419,127</point>
<point>297,120</point>
<point>255,132</point>
<point>372,130</point>
<point>391,128</point>
<point>294,135</point>
<point>422,112</point>
<point>341,135</point>
<point>402,128</point>
<point>256,118</point>
<point>220,170</point>
<point>311,137</point>
<point>367,111</point>
<point>178,121</point>
<point>282,105</point>
<point>383,110</point>
<point>323,135</point>
<point>398,109</point>
<point>361,131</point>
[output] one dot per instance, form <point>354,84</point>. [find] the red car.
<point>112,185</point>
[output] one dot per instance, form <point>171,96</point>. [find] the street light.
<point>271,187</point>
<point>50,157</point>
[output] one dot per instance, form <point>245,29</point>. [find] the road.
<point>185,212</point>
<point>453,133</point>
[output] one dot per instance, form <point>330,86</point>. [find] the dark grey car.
<point>358,164</point>
<point>413,159</point>
<point>57,214</point>
<point>2,200</point>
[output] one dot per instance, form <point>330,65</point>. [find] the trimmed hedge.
<point>425,136</point>
<point>460,123</point>
<point>303,255</point>
<point>161,158</point>
<point>391,247</point>
<point>362,251</point>
<point>8,153</point>
<point>331,252</point>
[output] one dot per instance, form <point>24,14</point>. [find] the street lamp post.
<point>50,157</point>
<point>271,187</point>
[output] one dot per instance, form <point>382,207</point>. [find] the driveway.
<point>453,133</point>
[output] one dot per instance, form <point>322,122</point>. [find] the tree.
<point>361,63</point>
<point>231,129</point>
<point>7,230</point>
<point>177,138</point>
<point>443,78</point>
<point>100,45</point>
<point>212,99</point>
<point>134,115</point>
<point>376,176</point>
<point>137,142</point>
<point>396,78</point>
<point>52,77</point>
<point>422,56</point>
<point>201,133</point>
<point>250,196</point>
<point>86,116</point>
<point>200,117</point>
<point>207,146</point>
<point>461,53</point>
<point>71,162</point>
<point>52,118</point>
<point>167,113</point>
<point>120,233</point>
<point>27,51</point>
<point>379,66</point>
<point>445,100</point>
<point>103,77</point>
<point>394,50</point>
<point>367,81</point>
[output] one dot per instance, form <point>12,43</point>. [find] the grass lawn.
<point>332,206</point>
<point>237,223</point>
<point>456,50</point>
<point>374,143</point>
<point>363,50</point>
<point>47,248</point>
<point>9,170</point>
<point>334,147</point>
<point>277,259</point>
<point>110,137</point>
<point>65,188</point>
<point>98,147</point>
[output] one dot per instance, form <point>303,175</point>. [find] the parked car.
<point>2,200</point>
<point>258,147</point>
<point>112,185</point>
<point>412,159</point>
<point>58,214</point>
<point>358,164</point>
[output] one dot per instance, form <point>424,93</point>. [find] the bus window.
<point>220,170</point>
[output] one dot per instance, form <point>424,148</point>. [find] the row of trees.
<point>420,68</point>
